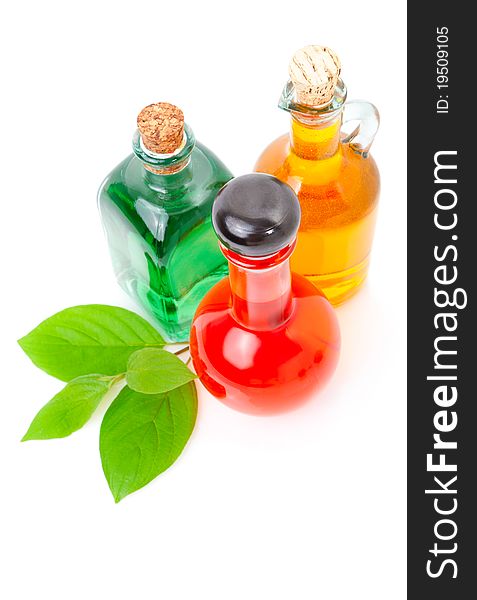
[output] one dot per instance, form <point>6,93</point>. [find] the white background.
<point>310,505</point>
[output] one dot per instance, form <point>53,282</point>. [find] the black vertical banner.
<point>442,259</point>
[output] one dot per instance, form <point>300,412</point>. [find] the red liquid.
<point>268,349</point>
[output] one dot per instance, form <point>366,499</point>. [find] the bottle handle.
<point>365,118</point>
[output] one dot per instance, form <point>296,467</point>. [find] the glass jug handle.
<point>365,118</point>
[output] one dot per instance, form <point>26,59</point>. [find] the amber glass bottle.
<point>331,171</point>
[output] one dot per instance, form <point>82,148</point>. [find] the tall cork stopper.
<point>314,71</point>
<point>161,126</point>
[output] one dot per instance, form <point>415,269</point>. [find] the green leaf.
<point>69,410</point>
<point>154,371</point>
<point>143,434</point>
<point>93,338</point>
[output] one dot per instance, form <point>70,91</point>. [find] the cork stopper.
<point>314,71</point>
<point>161,126</point>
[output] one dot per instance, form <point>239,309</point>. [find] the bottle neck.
<point>166,181</point>
<point>261,289</point>
<point>315,137</point>
<point>168,170</point>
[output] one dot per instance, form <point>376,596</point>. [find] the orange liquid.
<point>338,191</point>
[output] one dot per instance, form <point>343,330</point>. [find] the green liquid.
<point>164,251</point>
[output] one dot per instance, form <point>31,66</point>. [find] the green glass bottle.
<point>156,211</point>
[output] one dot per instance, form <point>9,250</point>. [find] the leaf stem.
<point>118,378</point>
<point>113,379</point>
<point>182,350</point>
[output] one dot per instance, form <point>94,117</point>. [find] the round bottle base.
<point>265,372</point>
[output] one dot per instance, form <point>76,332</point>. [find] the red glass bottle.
<point>263,339</point>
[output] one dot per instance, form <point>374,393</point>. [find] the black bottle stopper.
<point>256,215</point>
